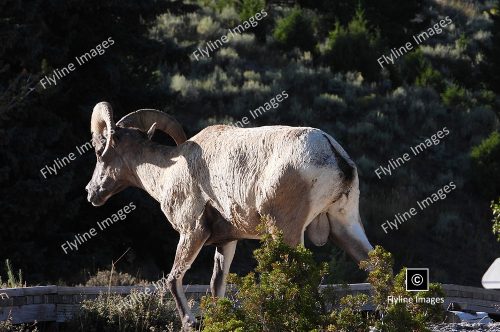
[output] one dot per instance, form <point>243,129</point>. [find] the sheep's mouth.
<point>100,203</point>
<point>98,198</point>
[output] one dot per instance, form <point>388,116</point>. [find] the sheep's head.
<point>116,143</point>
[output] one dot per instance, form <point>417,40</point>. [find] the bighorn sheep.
<point>214,187</point>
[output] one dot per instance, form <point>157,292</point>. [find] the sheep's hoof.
<point>190,324</point>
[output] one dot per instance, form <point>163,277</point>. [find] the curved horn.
<point>143,119</point>
<point>102,118</point>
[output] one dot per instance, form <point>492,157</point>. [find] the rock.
<point>492,327</point>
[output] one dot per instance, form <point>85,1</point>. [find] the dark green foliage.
<point>429,77</point>
<point>349,317</point>
<point>495,208</point>
<point>375,116</point>
<point>295,30</point>
<point>221,315</point>
<point>344,45</point>
<point>417,69</point>
<point>395,22</point>
<point>381,276</point>
<point>250,7</point>
<point>491,68</point>
<point>44,124</point>
<point>454,95</point>
<point>402,315</point>
<point>281,295</point>
<point>486,166</point>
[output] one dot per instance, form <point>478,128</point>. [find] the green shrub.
<point>295,30</point>
<point>251,7</point>
<point>486,97</point>
<point>109,313</point>
<point>411,65</point>
<point>399,316</point>
<point>395,316</point>
<point>430,77</point>
<point>244,10</point>
<point>381,276</point>
<point>453,95</point>
<point>220,315</point>
<point>486,166</point>
<point>495,208</point>
<point>349,316</point>
<point>284,296</point>
<point>354,47</point>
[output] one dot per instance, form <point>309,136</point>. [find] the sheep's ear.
<point>151,131</point>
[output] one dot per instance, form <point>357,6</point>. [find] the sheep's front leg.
<point>187,249</point>
<point>224,254</point>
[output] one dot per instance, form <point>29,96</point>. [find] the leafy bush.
<point>251,7</point>
<point>284,296</point>
<point>430,77</point>
<point>354,47</point>
<point>349,316</point>
<point>295,30</point>
<point>399,316</point>
<point>109,313</point>
<point>416,68</point>
<point>220,315</point>
<point>395,316</point>
<point>495,208</point>
<point>453,95</point>
<point>486,165</point>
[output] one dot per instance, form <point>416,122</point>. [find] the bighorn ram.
<point>214,187</point>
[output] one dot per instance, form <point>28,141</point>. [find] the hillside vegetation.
<point>323,54</point>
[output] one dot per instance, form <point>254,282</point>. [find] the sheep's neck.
<point>151,168</point>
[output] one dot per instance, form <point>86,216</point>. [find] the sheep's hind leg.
<point>224,254</point>
<point>187,249</point>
